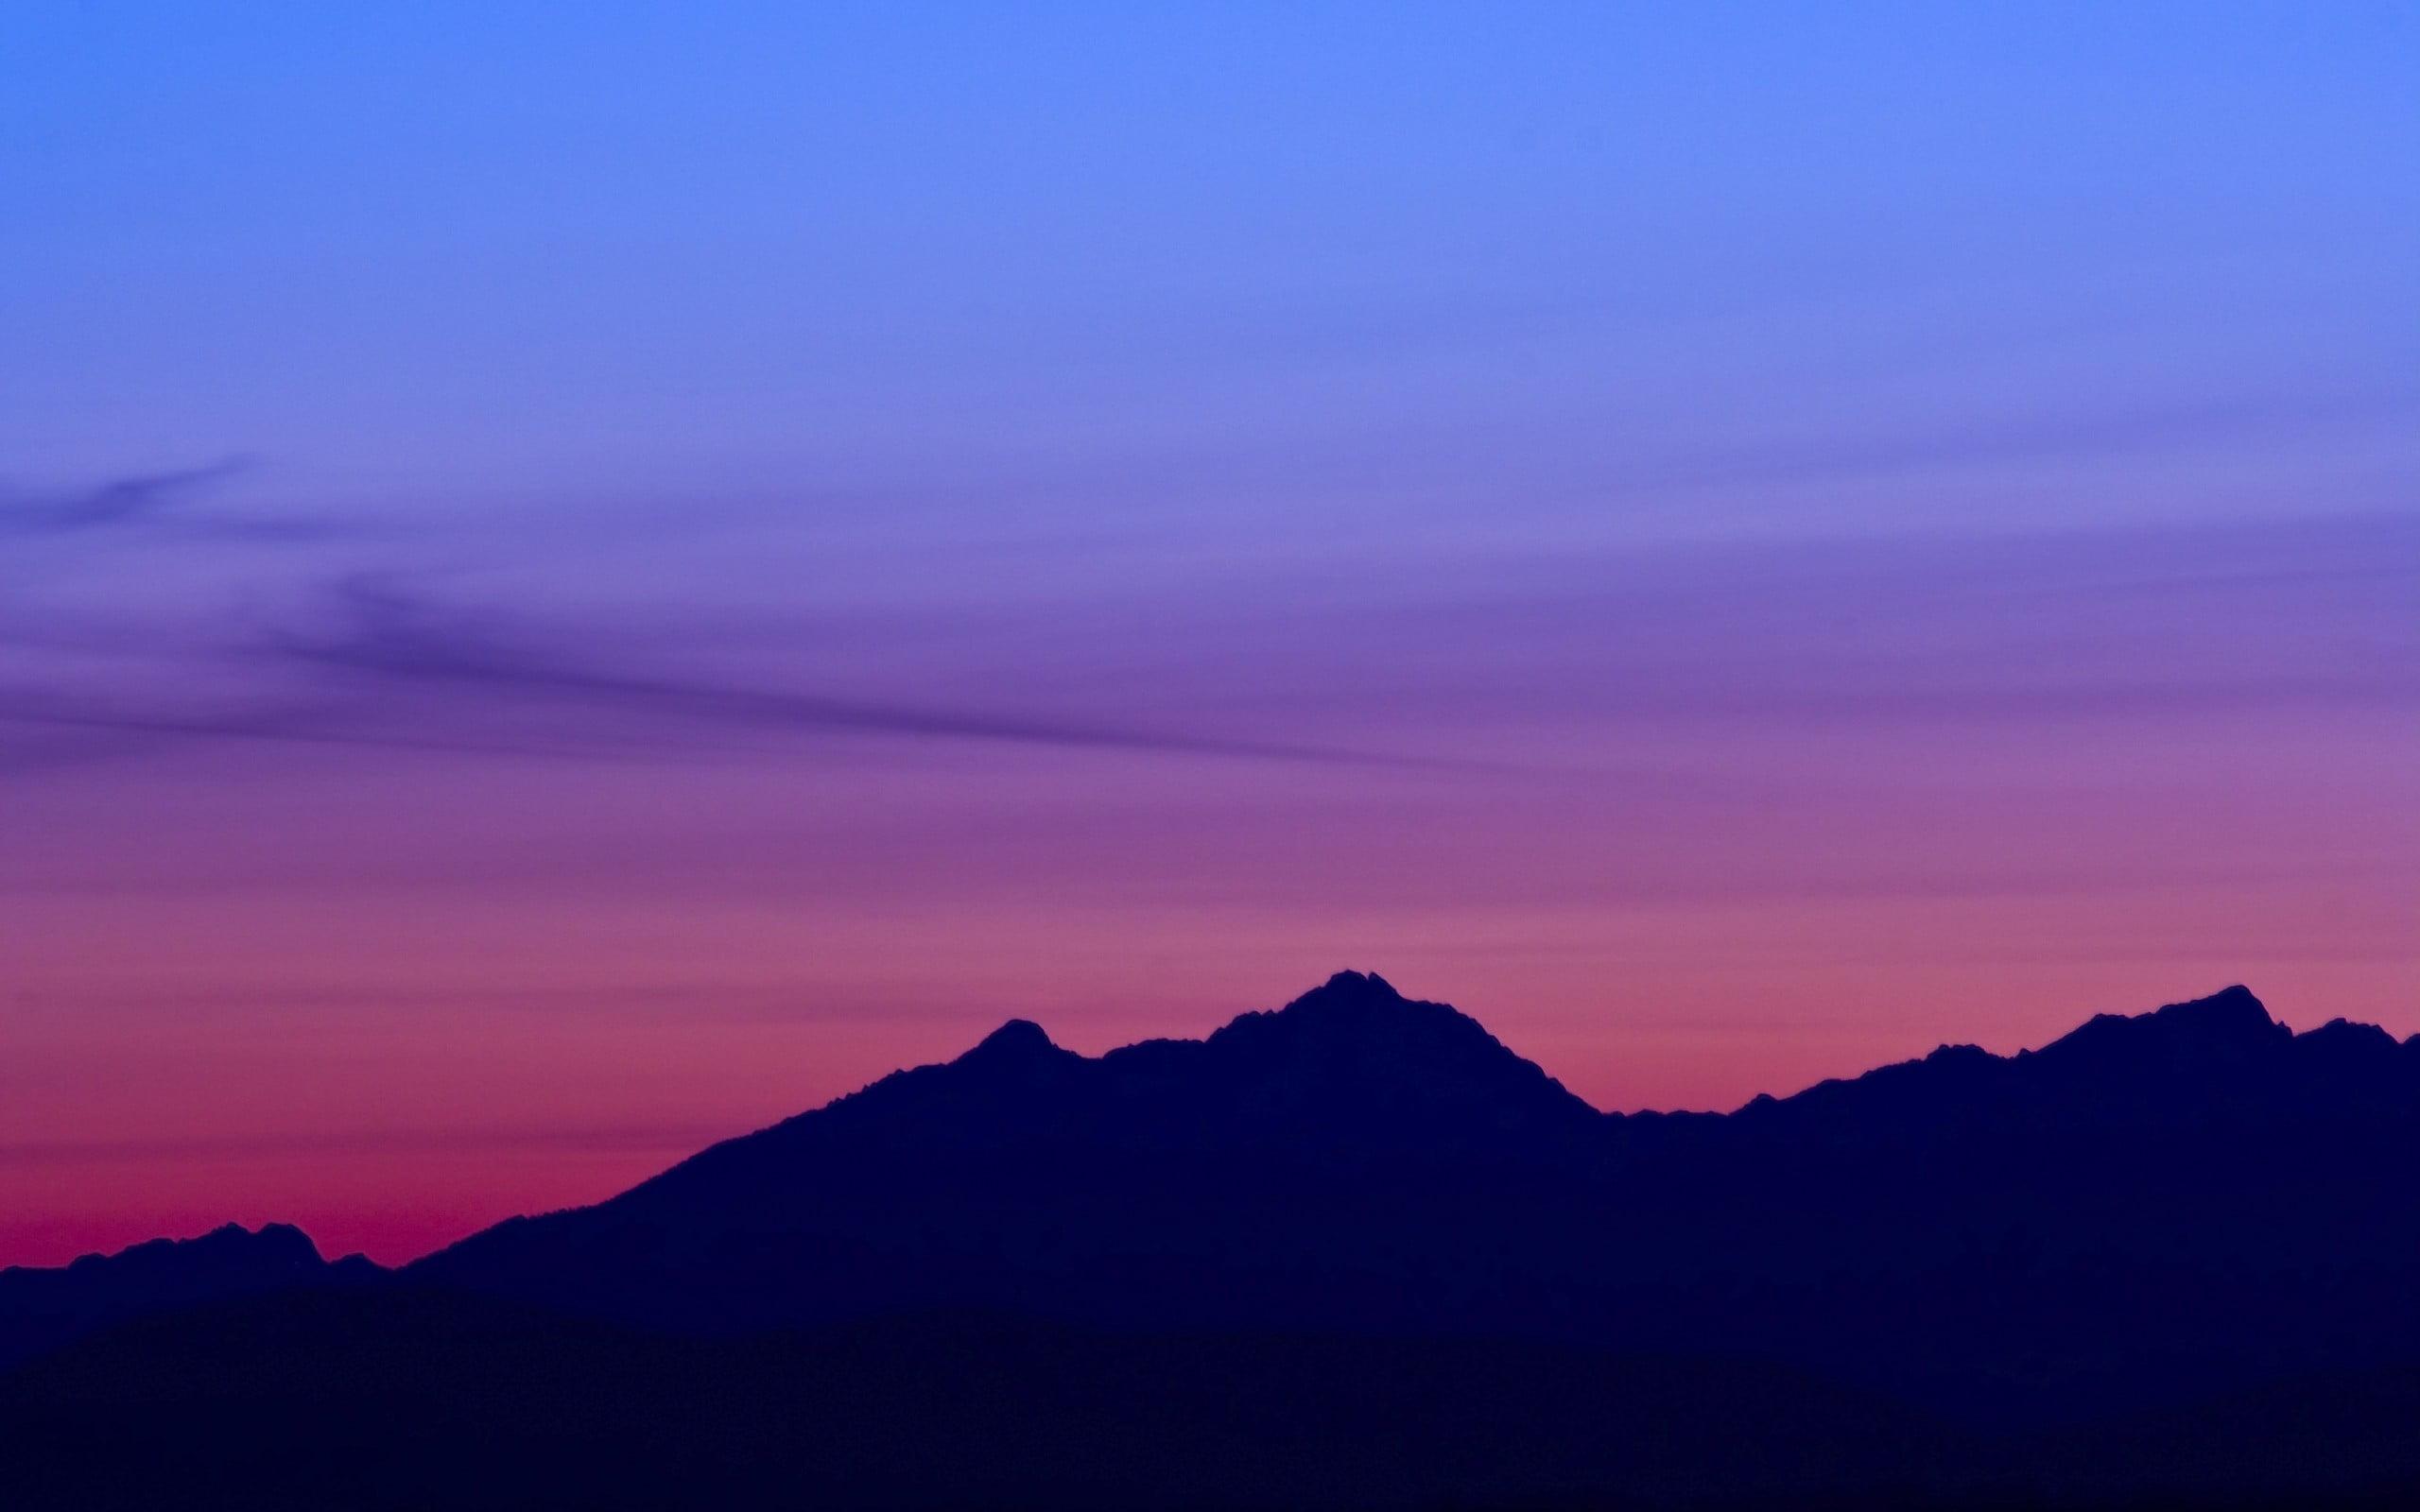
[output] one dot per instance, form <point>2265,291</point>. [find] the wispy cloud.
<point>393,639</point>
<point>81,733</point>
<point>122,501</point>
<point>518,646</point>
<point>390,668</point>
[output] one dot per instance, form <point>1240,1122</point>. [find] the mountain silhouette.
<point>2198,1185</point>
<point>42,1308</point>
<point>2210,1063</point>
<point>2002,1260</point>
<point>1244,1178</point>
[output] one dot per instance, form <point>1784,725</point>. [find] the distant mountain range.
<point>1354,1252</point>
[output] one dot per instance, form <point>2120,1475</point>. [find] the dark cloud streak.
<point>119,501</point>
<point>94,732</point>
<point>392,643</point>
<point>398,640</point>
<point>410,675</point>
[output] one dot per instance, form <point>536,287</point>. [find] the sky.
<point>574,581</point>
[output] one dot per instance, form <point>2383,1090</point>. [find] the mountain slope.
<point>2190,1197</point>
<point>1239,1179</point>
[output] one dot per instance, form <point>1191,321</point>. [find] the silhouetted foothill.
<point>41,1309</point>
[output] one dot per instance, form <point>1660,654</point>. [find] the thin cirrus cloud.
<point>396,639</point>
<point>150,500</point>
<point>398,665</point>
<point>1257,661</point>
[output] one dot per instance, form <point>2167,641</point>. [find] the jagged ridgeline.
<point>1358,1243</point>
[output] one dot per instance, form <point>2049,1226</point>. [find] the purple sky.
<point>564,593</point>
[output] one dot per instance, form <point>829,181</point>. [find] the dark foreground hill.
<point>413,1400</point>
<point>1357,1252</point>
<point>400,1398</point>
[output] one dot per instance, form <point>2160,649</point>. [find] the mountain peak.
<point>1362,1008</point>
<point>2349,1037</point>
<point>1017,1041</point>
<point>1356,1050</point>
<point>1352,987</point>
<point>2228,1025</point>
<point>2231,1009</point>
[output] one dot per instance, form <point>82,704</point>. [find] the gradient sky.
<point>577,580</point>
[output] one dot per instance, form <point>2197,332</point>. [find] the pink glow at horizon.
<point>388,1137</point>
<point>394,995</point>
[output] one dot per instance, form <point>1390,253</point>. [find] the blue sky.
<point>1416,264</point>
